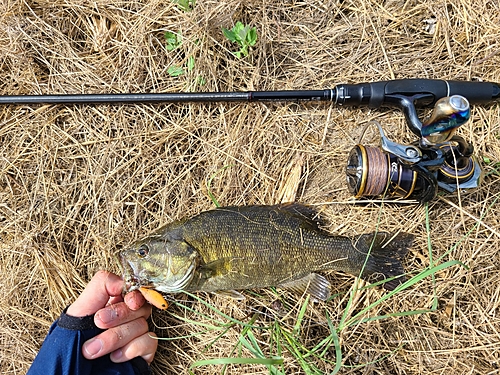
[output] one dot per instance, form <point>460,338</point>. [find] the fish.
<point>228,249</point>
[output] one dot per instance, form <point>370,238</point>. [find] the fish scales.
<point>246,247</point>
<point>261,247</point>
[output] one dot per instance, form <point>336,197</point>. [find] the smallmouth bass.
<point>250,247</point>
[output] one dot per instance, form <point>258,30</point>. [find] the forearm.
<point>61,351</point>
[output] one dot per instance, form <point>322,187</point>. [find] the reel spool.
<point>372,172</point>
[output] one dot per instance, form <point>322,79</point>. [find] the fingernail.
<point>107,315</point>
<point>93,347</point>
<point>116,355</point>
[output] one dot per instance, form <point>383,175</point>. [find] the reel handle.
<point>449,113</point>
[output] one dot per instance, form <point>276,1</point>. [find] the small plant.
<point>244,35</point>
<point>185,5</point>
<point>172,40</point>
<point>175,71</point>
<point>190,63</point>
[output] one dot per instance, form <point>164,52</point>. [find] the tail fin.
<point>384,261</point>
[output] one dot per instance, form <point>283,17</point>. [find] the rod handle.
<point>423,92</point>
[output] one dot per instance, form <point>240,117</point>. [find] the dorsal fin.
<point>305,213</point>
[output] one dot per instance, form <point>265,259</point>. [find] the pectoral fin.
<point>316,285</point>
<point>216,268</point>
<point>221,274</point>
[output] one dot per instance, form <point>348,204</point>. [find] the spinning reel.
<point>439,159</point>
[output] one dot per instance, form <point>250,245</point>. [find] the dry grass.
<point>79,182</point>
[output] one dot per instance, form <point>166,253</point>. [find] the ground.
<point>80,182</point>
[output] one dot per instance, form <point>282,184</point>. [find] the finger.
<point>114,299</point>
<point>143,346</point>
<point>134,300</point>
<point>117,314</point>
<point>114,338</point>
<point>97,294</point>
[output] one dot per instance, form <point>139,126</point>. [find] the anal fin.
<point>316,285</point>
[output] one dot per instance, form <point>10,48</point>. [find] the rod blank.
<point>292,95</point>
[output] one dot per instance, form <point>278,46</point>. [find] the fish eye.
<point>143,251</point>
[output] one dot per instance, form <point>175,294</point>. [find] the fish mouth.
<point>131,281</point>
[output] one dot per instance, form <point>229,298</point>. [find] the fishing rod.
<point>439,159</point>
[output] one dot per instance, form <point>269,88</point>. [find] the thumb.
<point>96,294</point>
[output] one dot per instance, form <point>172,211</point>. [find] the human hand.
<point>123,318</point>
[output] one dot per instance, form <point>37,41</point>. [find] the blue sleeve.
<point>61,352</point>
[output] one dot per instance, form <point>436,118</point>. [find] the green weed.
<point>494,165</point>
<point>209,183</point>
<point>244,35</point>
<point>172,42</point>
<point>175,71</point>
<point>185,5</point>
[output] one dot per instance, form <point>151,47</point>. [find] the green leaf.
<point>229,34</point>
<point>244,35</point>
<point>242,361</point>
<point>209,184</point>
<point>252,36</point>
<point>336,343</point>
<point>186,5</point>
<point>173,40</point>
<point>175,71</point>
<point>201,81</point>
<point>190,63</point>
<point>300,317</point>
